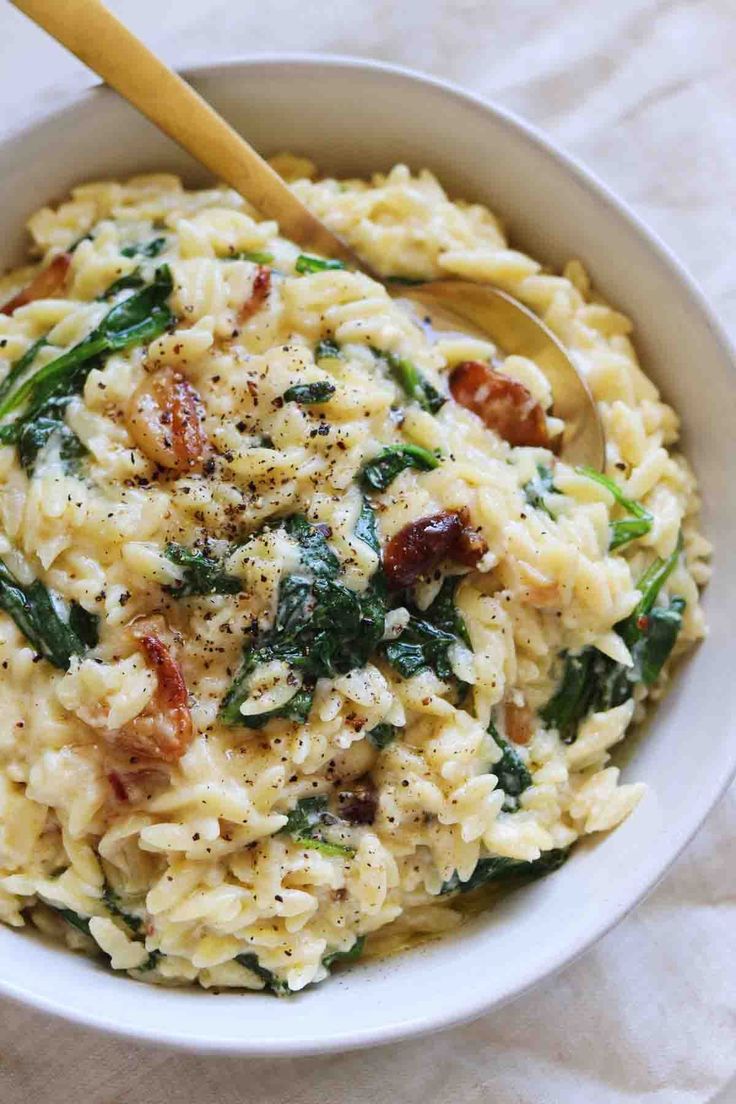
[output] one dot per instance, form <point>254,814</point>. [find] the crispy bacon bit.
<point>163,418</point>
<point>503,403</point>
<point>360,804</point>
<point>259,294</point>
<point>43,285</point>
<point>518,720</point>
<point>417,548</point>
<point>164,730</point>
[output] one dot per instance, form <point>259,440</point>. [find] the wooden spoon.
<point>101,41</point>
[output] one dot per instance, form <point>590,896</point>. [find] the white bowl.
<point>353,117</point>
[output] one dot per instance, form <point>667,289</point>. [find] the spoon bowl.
<point>490,312</point>
<point>101,41</point>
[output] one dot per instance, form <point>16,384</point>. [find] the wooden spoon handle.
<point>92,32</point>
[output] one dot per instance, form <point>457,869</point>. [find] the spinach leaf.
<point>145,249</point>
<point>650,631</point>
<point>316,554</point>
<point>426,640</point>
<point>19,367</point>
<point>636,525</point>
<point>537,488</point>
<point>297,708</point>
<point>322,627</point>
<point>151,962</point>
<point>132,280</point>
<point>366,527</point>
<point>495,869</point>
<point>81,923</point>
<point>649,586</point>
<point>381,735</point>
<point>114,907</point>
<point>250,255</point>
<point>310,393</point>
<point>35,433</point>
<point>574,697</point>
<point>55,630</point>
<point>50,402</point>
<point>139,319</point>
<point>592,681</point>
<point>510,770</point>
<point>658,639</point>
<point>112,903</point>
<point>202,573</point>
<point>421,645</point>
<point>335,957</point>
<point>75,244</point>
<point>379,472</point>
<point>84,625</point>
<point>444,613</point>
<point>306,264</point>
<point>273,984</point>
<point>327,349</point>
<point>406,281</point>
<point>411,381</point>
<point>306,825</point>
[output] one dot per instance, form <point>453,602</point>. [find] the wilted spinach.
<point>35,434</point>
<point>542,484</point>
<point>426,640</point>
<point>366,527</point>
<point>496,869</point>
<point>327,349</point>
<point>381,735</point>
<point>273,984</point>
<point>133,280</point>
<point>150,248</point>
<point>638,523</point>
<point>411,381</point>
<point>336,957</point>
<point>322,627</point>
<point>307,823</point>
<point>139,319</point>
<point>379,472</point>
<point>592,681</point>
<point>55,629</point>
<point>19,367</point>
<point>309,394</point>
<point>510,770</point>
<point>202,573</point>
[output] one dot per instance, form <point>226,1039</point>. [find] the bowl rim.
<point>439,1017</point>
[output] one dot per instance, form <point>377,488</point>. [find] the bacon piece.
<point>518,720</point>
<point>44,284</point>
<point>164,730</point>
<point>417,548</point>
<point>163,418</point>
<point>503,403</point>
<point>259,294</point>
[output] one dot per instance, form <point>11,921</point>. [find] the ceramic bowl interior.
<point>354,117</point>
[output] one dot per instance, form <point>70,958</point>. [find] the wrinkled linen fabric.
<point>644,92</point>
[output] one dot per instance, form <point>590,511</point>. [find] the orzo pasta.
<point>306,629</point>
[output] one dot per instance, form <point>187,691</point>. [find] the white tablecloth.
<point>644,91</point>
